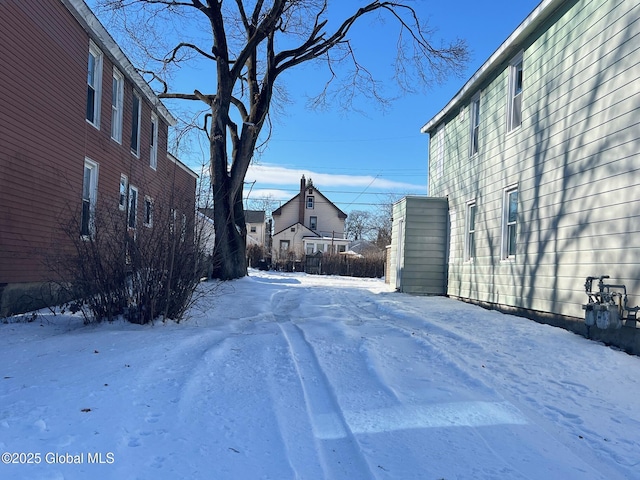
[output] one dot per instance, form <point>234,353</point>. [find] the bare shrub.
<point>142,273</point>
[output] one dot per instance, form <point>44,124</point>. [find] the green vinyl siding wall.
<point>575,161</point>
<point>424,245</point>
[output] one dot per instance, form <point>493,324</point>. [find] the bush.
<point>143,274</point>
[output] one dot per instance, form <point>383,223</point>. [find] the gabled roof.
<point>254,216</point>
<point>508,49</point>
<point>278,211</point>
<point>312,233</point>
<point>99,34</point>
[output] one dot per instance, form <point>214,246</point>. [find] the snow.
<point>289,376</point>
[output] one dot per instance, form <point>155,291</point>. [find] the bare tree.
<point>359,224</point>
<point>251,43</point>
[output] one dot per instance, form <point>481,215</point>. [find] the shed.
<point>418,262</point>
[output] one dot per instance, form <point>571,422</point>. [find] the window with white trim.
<point>475,125</point>
<point>132,215</point>
<point>310,201</point>
<point>122,203</point>
<point>136,112</point>
<point>313,223</point>
<point>117,98</point>
<point>94,85</point>
<point>153,148</point>
<point>310,248</point>
<point>284,246</point>
<point>509,222</point>
<point>514,108</point>
<point>148,211</point>
<point>89,198</point>
<point>470,238</point>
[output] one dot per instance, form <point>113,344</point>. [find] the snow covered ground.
<point>288,376</point>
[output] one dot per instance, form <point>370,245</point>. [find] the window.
<point>133,207</point>
<point>313,223</point>
<point>117,96</point>
<point>89,196</point>
<point>310,201</point>
<point>135,125</point>
<point>310,247</point>
<point>284,246</point>
<point>122,204</point>
<point>475,125</point>
<point>94,85</point>
<point>514,108</point>
<point>253,229</point>
<point>148,211</point>
<point>293,229</point>
<point>470,241</point>
<point>510,218</point>
<point>153,162</point>
<point>342,248</point>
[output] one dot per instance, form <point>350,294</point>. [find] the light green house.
<point>539,157</point>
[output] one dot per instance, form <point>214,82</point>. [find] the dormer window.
<point>310,202</point>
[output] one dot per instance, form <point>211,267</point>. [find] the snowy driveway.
<point>307,377</point>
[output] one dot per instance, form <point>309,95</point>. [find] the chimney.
<point>303,185</point>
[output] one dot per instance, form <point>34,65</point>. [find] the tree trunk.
<point>229,255</point>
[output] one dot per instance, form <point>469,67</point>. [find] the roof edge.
<point>85,16</point>
<point>175,160</point>
<point>539,14</point>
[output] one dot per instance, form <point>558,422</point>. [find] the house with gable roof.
<point>307,224</point>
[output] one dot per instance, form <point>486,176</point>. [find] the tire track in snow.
<point>507,381</point>
<point>339,451</point>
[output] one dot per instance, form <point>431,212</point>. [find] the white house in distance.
<point>256,227</point>
<point>307,224</point>
<point>538,157</point>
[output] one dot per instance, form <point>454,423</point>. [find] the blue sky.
<point>358,158</point>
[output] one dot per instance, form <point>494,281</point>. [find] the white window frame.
<point>474,121</point>
<point>148,211</point>
<point>94,83</point>
<point>89,196</point>
<point>509,224</point>
<point>310,202</point>
<point>135,132</point>
<point>313,222</point>
<point>153,147</point>
<point>310,248</point>
<point>117,103</point>
<point>123,190</point>
<point>132,207</point>
<point>470,231</point>
<point>516,86</point>
<point>285,245</point>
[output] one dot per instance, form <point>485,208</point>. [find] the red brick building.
<point>78,127</point>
